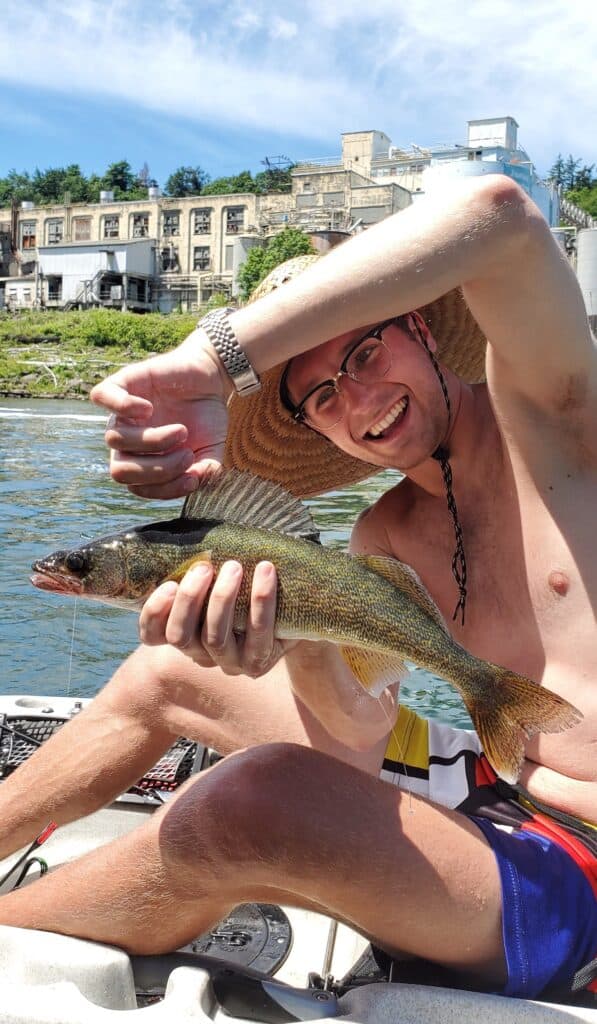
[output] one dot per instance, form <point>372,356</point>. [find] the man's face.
<point>397,421</point>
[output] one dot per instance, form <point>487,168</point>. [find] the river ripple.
<point>54,491</point>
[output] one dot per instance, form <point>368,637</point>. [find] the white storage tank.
<point>154,192</point>
<point>586,270</point>
<point>26,204</point>
<point>106,196</point>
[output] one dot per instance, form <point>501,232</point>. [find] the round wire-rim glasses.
<point>367,361</point>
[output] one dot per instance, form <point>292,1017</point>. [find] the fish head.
<point>98,570</point>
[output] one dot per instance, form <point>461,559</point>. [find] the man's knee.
<point>241,810</point>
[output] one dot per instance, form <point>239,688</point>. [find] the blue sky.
<point>225,84</point>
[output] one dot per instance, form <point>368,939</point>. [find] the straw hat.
<point>263,437</point>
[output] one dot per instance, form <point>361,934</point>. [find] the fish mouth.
<point>389,421</point>
<point>55,582</point>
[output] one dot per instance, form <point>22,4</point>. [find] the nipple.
<point>559,583</point>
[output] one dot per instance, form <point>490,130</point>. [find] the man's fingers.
<point>181,630</point>
<point>123,436</point>
<point>217,635</point>
<point>155,612</point>
<point>117,399</point>
<point>146,470</point>
<point>259,634</point>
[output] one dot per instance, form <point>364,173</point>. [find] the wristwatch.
<point>217,327</point>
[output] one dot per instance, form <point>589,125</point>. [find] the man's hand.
<point>168,419</point>
<point>197,615</point>
<point>173,614</point>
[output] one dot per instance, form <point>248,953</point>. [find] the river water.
<point>55,492</point>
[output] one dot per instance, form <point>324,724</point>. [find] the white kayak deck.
<point>54,979</point>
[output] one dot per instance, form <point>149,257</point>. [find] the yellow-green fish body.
<point>375,609</point>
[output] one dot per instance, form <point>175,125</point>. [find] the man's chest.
<point>528,602</point>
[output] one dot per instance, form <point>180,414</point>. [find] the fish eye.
<point>75,561</point>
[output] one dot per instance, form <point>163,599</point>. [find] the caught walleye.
<point>375,609</point>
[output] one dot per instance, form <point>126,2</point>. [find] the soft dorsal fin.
<point>407,580</point>
<point>231,496</point>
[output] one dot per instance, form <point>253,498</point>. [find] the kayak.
<point>262,963</point>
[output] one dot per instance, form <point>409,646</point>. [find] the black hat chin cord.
<point>458,558</point>
<point>441,455</point>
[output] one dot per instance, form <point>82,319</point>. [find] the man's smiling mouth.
<point>395,413</point>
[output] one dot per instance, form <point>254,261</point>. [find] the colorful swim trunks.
<point>547,860</point>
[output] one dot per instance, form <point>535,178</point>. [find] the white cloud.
<point>282,29</point>
<point>416,70</point>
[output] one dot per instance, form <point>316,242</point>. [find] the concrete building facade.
<point>165,253</point>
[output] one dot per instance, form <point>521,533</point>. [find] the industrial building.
<point>167,253</point>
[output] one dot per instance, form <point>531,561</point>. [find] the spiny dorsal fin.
<point>233,497</point>
<point>407,580</point>
<point>374,670</point>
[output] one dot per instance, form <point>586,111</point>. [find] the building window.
<point>202,222</point>
<point>140,225</point>
<point>228,257</point>
<point>28,234</point>
<point>55,231</point>
<point>169,259</point>
<point>235,219</point>
<point>201,259</point>
<point>111,227</point>
<point>82,229</point>
<point>171,223</point>
<point>54,289</point>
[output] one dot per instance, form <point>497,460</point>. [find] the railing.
<point>88,291</point>
<point>579,217</point>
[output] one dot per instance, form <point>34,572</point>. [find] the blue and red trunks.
<point>547,861</point>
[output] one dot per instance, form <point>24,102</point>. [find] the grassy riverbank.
<point>62,355</point>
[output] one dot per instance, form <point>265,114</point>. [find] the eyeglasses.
<point>367,361</point>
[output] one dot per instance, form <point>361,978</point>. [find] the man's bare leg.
<point>155,696</point>
<point>281,823</point>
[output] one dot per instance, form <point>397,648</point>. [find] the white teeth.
<point>388,419</point>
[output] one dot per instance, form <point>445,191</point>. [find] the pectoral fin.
<point>373,669</point>
<point>179,572</point>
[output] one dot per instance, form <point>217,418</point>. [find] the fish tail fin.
<point>521,709</point>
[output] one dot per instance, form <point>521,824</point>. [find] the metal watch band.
<point>217,327</point>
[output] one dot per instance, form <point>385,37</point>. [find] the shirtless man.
<point>304,818</point>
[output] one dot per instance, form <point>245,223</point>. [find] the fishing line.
<point>401,755</point>
<point>72,647</point>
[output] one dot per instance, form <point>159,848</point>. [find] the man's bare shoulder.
<point>375,530</point>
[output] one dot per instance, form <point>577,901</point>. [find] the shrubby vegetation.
<point>290,242</point>
<point>62,355</point>
<point>578,182</point>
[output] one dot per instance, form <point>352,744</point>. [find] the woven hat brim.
<point>264,439</point>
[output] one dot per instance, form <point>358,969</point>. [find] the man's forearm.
<point>323,682</point>
<point>398,265</point>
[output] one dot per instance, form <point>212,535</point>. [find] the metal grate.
<point>20,738</point>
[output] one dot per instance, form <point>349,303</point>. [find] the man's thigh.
<point>227,713</point>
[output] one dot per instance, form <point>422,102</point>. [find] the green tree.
<point>556,173</point>
<point>119,178</point>
<point>186,181</point>
<point>16,186</point>
<point>570,169</point>
<point>242,182</point>
<point>290,242</point>
<point>275,179</point>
